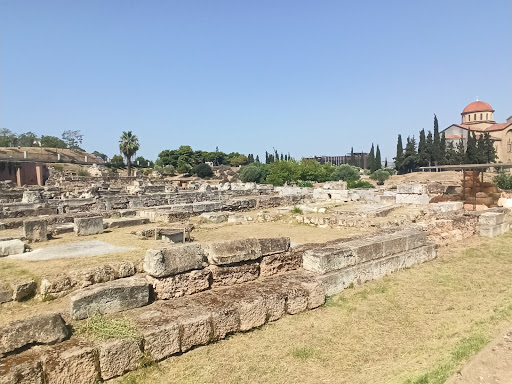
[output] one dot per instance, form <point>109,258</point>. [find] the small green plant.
<point>58,167</point>
<point>83,172</point>
<point>48,297</point>
<point>297,210</point>
<point>100,327</point>
<point>359,184</point>
<point>303,353</point>
<point>503,180</point>
<point>351,286</point>
<point>305,184</point>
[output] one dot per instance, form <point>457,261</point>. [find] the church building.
<point>478,117</point>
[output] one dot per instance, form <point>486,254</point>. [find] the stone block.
<point>492,230</point>
<point>173,260</point>
<point>448,206</point>
<point>415,199</point>
<point>224,275</point>
<point>250,305</point>
<point>281,262</point>
<point>234,251</point>
<point>71,362</point>
<point>35,230</point>
<point>215,217</point>
<point>5,295</point>
<point>85,226</point>
<point>385,199</point>
<point>270,246</point>
<point>31,197</point>
<point>39,329</point>
<point>23,290</point>
<point>274,300</point>
<point>24,368</point>
<point>491,218</point>
<point>416,189</point>
<point>11,247</point>
<point>505,202</point>
<point>118,356</point>
<point>179,285</point>
<point>113,296</point>
<point>324,260</point>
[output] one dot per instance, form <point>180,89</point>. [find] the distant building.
<point>360,159</point>
<point>478,117</point>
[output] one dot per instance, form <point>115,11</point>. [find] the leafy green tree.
<point>184,165</point>
<point>236,159</point>
<point>7,138</point>
<point>312,170</point>
<point>117,161</point>
<point>203,170</point>
<point>53,142</point>
<point>27,139</point>
<point>490,151</point>
<point>346,172</point>
<point>142,162</point>
<point>254,172</point>
<point>471,149</point>
<point>99,155</point>
<point>281,172</point>
<point>73,139</point>
<point>410,161</point>
<point>129,145</point>
<point>380,175</point>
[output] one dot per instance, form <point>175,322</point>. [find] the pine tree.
<point>436,149</point>
<point>399,158</point>
<point>423,156</point>
<point>378,161</point>
<point>257,158</point>
<point>371,160</point>
<point>429,149</point>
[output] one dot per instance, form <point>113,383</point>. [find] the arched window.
<point>481,116</point>
<point>509,146</point>
<point>486,116</point>
<point>474,117</point>
<point>469,117</point>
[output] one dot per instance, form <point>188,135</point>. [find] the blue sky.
<point>305,77</point>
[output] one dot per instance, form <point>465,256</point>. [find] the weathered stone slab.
<point>448,206</point>
<point>23,290</point>
<point>323,260</point>
<point>491,218</point>
<point>224,275</point>
<point>234,251</point>
<point>273,245</point>
<point>173,260</point>
<point>215,217</point>
<point>39,329</point>
<point>5,295</point>
<point>281,262</point>
<point>24,368</point>
<point>412,199</point>
<point>118,356</point>
<point>125,222</point>
<point>492,230</point>
<point>250,305</point>
<point>11,247</point>
<point>179,285</point>
<point>35,230</point>
<point>71,362</point>
<point>85,226</point>
<point>337,281</point>
<point>31,197</point>
<point>416,189</point>
<point>110,297</point>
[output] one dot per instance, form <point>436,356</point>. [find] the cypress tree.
<point>282,157</point>
<point>352,157</point>
<point>422,153</point>
<point>460,157</point>
<point>257,158</point>
<point>481,150</point>
<point>443,148</point>
<point>371,160</point>
<point>410,161</point>
<point>436,149</point>
<point>386,162</point>
<point>490,151</point>
<point>399,158</point>
<point>378,161</point>
<point>429,149</point>
<point>471,150</point>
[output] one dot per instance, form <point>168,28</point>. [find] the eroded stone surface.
<point>85,226</point>
<point>179,285</point>
<point>224,275</point>
<point>173,260</point>
<point>235,251</point>
<point>11,247</point>
<point>118,356</point>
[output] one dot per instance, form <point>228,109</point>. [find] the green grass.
<point>297,210</point>
<point>302,353</point>
<point>99,327</point>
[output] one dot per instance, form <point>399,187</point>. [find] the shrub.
<point>351,184</point>
<point>117,161</point>
<point>305,184</point>
<point>183,166</point>
<point>503,180</point>
<point>253,173</point>
<point>391,171</point>
<point>346,172</point>
<point>380,175</point>
<point>203,170</point>
<point>58,167</point>
<point>282,172</point>
<point>83,172</point>
<point>297,210</point>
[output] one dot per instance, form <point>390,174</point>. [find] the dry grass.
<point>415,326</point>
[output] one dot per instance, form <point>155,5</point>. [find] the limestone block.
<point>492,230</point>
<point>11,247</point>
<point>215,217</point>
<point>270,246</point>
<point>416,189</point>
<point>335,185</point>
<point>31,197</point>
<point>331,194</point>
<point>113,296</point>
<point>24,368</point>
<point>385,199</point>
<point>323,260</point>
<point>365,194</point>
<point>5,295</point>
<point>224,313</point>
<point>224,275</point>
<point>85,226</point>
<point>234,251</point>
<point>291,191</point>
<point>274,300</point>
<point>179,285</point>
<point>448,206</point>
<point>118,356</point>
<point>491,218</point>
<point>23,290</point>
<point>173,260</point>
<point>281,262</point>
<point>411,198</point>
<point>38,329</point>
<point>71,362</point>
<point>250,306</point>
<point>505,202</point>
<point>35,230</point>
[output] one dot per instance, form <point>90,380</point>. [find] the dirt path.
<point>492,365</point>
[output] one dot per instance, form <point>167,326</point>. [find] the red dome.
<point>478,106</point>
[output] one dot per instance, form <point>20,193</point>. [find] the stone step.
<point>124,222</point>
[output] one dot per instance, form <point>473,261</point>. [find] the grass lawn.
<point>414,326</point>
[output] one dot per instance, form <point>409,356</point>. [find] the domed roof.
<point>478,106</point>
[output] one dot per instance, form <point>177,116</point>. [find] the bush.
<point>83,172</point>
<point>117,162</point>
<point>203,170</point>
<point>184,167</point>
<point>380,175</point>
<point>503,180</point>
<point>391,171</point>
<point>346,172</point>
<point>282,172</point>
<point>305,184</point>
<point>351,184</point>
<point>253,173</point>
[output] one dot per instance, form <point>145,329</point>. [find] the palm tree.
<point>129,145</point>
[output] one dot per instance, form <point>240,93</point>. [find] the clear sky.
<point>305,77</point>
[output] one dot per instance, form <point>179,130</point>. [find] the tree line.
<point>70,139</point>
<point>433,149</point>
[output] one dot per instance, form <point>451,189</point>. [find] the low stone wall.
<point>492,224</point>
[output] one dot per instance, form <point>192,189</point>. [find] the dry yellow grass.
<point>414,326</point>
